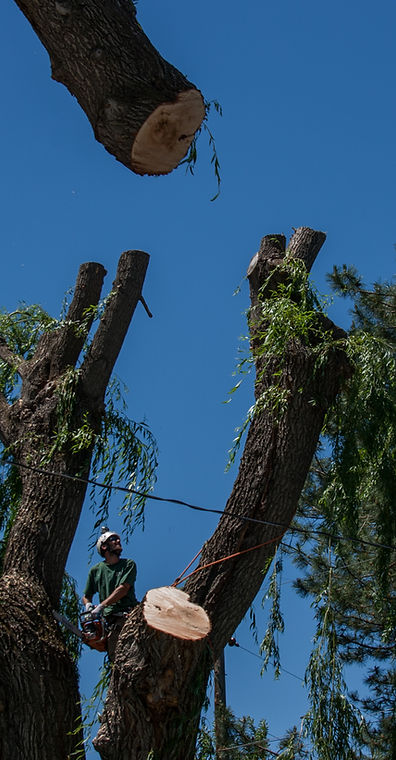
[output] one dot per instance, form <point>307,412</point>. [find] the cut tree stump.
<point>169,610</point>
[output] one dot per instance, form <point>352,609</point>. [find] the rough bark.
<point>142,109</point>
<point>159,683</point>
<point>39,691</point>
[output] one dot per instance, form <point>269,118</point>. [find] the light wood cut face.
<point>167,134</point>
<point>169,610</point>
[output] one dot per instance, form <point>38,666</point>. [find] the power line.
<point>262,658</point>
<point>197,508</point>
<point>258,743</point>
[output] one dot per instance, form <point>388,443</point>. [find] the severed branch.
<point>106,345</point>
<point>142,109</point>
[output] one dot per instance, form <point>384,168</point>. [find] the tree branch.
<point>87,292</point>
<point>275,461</point>
<point>156,676</point>
<point>126,292</point>
<point>142,109</point>
<point>305,244</point>
<point>60,348</point>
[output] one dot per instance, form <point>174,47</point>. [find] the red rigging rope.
<point>181,579</point>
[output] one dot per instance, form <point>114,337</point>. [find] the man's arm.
<point>114,597</point>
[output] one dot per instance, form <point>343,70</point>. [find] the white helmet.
<point>105,535</point>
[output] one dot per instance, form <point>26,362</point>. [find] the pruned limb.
<point>80,314</point>
<point>126,293</point>
<point>60,348</point>
<point>305,244</point>
<point>142,109</point>
<point>274,465</point>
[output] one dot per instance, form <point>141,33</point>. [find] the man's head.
<point>109,543</point>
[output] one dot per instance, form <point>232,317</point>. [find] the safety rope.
<point>181,579</point>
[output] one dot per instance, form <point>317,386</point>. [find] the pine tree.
<point>350,497</point>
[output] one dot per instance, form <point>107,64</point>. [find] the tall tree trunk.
<point>142,109</point>
<point>220,705</point>
<point>158,682</point>
<point>39,700</point>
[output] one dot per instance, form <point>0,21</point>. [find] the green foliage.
<point>285,316</point>
<point>70,607</point>
<point>21,329</point>
<point>10,494</point>
<point>332,725</point>
<point>192,156</point>
<point>124,451</point>
<point>245,740</point>
<point>269,646</point>
<point>292,746</point>
<point>90,712</point>
<point>349,495</point>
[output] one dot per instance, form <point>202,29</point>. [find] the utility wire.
<point>197,508</point>
<point>258,743</point>
<point>262,659</point>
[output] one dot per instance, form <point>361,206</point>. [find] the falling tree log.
<point>142,109</point>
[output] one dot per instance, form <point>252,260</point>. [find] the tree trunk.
<point>39,700</point>
<point>158,683</point>
<point>141,108</point>
<point>220,705</point>
<point>39,697</point>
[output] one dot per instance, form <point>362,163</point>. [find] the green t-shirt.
<point>103,579</point>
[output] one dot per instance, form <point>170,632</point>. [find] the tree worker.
<point>114,581</point>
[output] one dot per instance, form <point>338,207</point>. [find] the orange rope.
<point>180,579</point>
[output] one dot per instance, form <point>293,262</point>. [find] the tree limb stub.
<point>108,339</point>
<point>58,349</point>
<point>142,109</point>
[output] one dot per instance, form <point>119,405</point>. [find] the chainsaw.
<point>94,631</point>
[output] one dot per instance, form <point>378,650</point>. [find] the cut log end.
<point>169,610</point>
<point>167,134</point>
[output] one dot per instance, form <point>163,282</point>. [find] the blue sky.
<point>306,138</point>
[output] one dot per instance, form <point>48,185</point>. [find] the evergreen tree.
<point>349,568</point>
